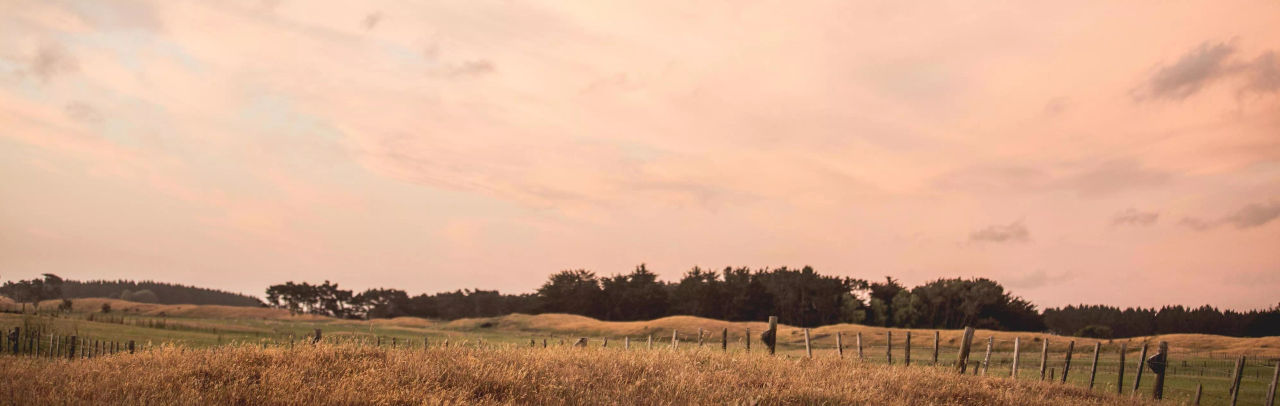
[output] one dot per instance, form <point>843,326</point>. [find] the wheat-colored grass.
<point>342,374</point>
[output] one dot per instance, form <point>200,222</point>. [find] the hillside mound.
<point>88,305</point>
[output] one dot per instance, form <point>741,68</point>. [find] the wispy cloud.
<point>1134,217</point>
<point>1209,63</point>
<point>1012,233</point>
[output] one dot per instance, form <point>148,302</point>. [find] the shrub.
<point>1095,331</point>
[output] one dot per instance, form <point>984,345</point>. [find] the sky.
<point>1123,153</point>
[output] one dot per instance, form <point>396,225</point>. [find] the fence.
<point>1128,368</point>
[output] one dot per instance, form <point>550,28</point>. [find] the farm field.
<point>269,339</point>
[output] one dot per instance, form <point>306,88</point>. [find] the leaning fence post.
<point>1275,381</point>
<point>1235,380</point>
<point>1066,366</point>
<point>1120,372</point>
<point>770,336</point>
<point>888,346</point>
<point>1159,363</point>
<point>1044,357</point>
<point>906,358</point>
<point>986,359</point>
<point>1093,368</point>
<point>935,346</point>
<point>1199,391</point>
<point>1016,353</point>
<point>839,345</point>
<point>1137,378</point>
<point>962,360</point>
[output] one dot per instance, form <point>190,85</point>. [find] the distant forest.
<point>800,297</point>
<point>53,287</point>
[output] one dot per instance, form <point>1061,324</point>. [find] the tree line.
<point>801,297</point>
<point>1102,321</point>
<point>53,287</point>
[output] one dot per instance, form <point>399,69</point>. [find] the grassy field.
<point>164,329</point>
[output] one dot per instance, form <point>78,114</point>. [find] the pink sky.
<point>1125,153</point>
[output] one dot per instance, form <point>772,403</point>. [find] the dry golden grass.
<point>364,375</point>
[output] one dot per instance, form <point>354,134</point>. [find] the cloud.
<point>1090,180</point>
<point>1209,63</point>
<point>1196,223</point>
<point>1134,217</point>
<point>1057,105</point>
<point>1263,74</point>
<point>1254,215</point>
<point>1014,232</point>
<point>474,67</point>
<point>1113,177</point>
<point>82,112</point>
<point>1192,72</point>
<point>1036,279</point>
<point>1249,216</point>
<point>52,60</point>
<point>372,20</point>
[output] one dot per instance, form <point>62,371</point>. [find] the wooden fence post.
<point>808,351</point>
<point>747,339</point>
<point>72,344</point>
<point>770,336</point>
<point>936,339</point>
<point>888,346</point>
<point>1275,381</point>
<point>906,354</point>
<point>1137,378</point>
<point>962,360</point>
<point>14,339</point>
<point>839,345</point>
<point>724,340</point>
<point>1199,391</point>
<point>1160,366</point>
<point>859,345</point>
<point>1235,380</point>
<point>1093,368</point>
<point>650,341</point>
<point>131,346</point>
<point>986,359</point>
<point>699,336</point>
<point>1044,357</point>
<point>1120,372</point>
<point>675,341</point>
<point>626,343</point>
<point>316,339</point>
<point>1016,355</point>
<point>1066,367</point>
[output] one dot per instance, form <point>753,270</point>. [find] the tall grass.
<point>345,374</point>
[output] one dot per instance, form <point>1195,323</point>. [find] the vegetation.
<point>1133,322</point>
<point>349,374</point>
<point>802,297</point>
